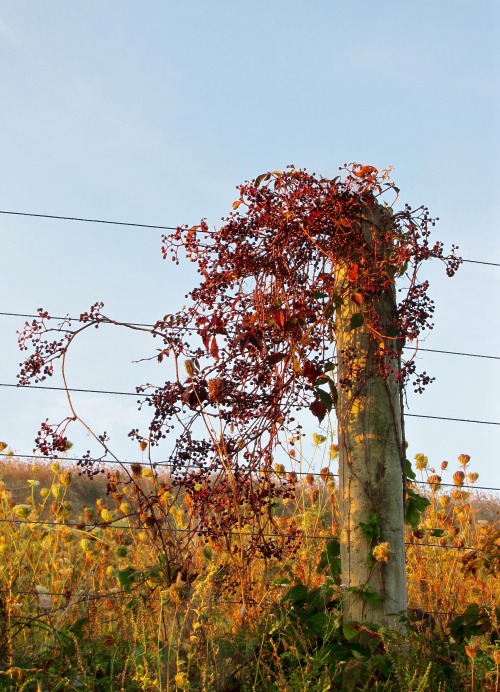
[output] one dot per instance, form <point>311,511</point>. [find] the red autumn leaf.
<point>205,337</point>
<point>314,215</point>
<point>218,325</point>
<point>279,318</point>
<point>365,171</point>
<point>194,397</point>
<point>318,409</point>
<point>310,371</point>
<point>353,272</point>
<point>214,349</point>
<point>274,358</point>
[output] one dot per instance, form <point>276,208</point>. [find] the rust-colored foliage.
<point>259,335</point>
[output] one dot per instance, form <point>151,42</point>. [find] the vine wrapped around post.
<point>300,281</point>
<point>372,460</point>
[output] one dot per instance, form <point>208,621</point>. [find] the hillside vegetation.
<point>97,596</point>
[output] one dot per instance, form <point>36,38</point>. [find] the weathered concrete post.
<point>371,454</point>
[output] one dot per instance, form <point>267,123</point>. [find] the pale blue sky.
<point>153,112</point>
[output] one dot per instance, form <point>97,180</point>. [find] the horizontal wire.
<point>98,391</point>
<point>189,531</point>
<point>328,475</point>
<point>452,353</point>
<point>68,594</point>
<point>193,532</point>
<point>77,218</point>
<point>81,598</point>
<point>145,225</point>
<point>457,420</point>
<point>143,324</point>
<point>77,319</point>
<point>491,264</point>
<point>124,594</point>
<point>71,389</point>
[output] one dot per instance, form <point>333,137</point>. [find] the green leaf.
<point>77,627</point>
<point>410,473</point>
<point>126,577</point>
<point>329,367</point>
<point>350,631</point>
<point>329,310</point>
<point>330,557</point>
<point>414,506</point>
<point>371,597</point>
<point>334,392</point>
<point>392,330</point>
<point>371,528</point>
<point>354,675</point>
<point>318,295</point>
<point>262,177</point>
<point>436,532</point>
<point>357,320</point>
<point>317,623</point>
<point>297,594</point>
<point>325,398</point>
<point>154,573</point>
<point>403,269</point>
<point>281,582</point>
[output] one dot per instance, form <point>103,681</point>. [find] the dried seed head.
<point>472,477</point>
<point>471,651</point>
<point>190,368</point>
<point>421,462</point>
<point>463,459</point>
<point>434,481</point>
<point>334,451</point>
<point>318,439</point>
<point>107,515</point>
<point>458,478</point>
<point>136,469</point>
<point>310,479</point>
<point>22,511</point>
<point>444,500</point>
<point>382,552</point>
<point>65,478</point>
<point>5,494</point>
<point>444,465</point>
<point>216,390</point>
<point>325,474</point>
<point>459,495</point>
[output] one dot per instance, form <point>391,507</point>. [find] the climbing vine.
<point>257,343</point>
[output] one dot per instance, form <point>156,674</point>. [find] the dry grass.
<point>84,603</point>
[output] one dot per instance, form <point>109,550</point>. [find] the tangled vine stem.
<point>273,278</point>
